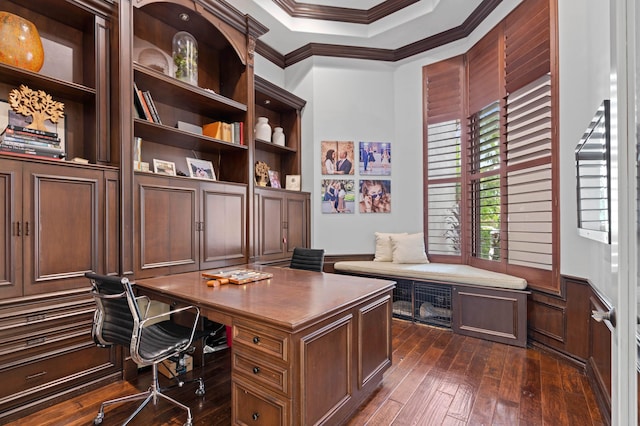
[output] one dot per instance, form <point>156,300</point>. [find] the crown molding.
<point>342,14</point>
<point>390,55</point>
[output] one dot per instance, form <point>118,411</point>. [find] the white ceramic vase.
<point>263,129</point>
<point>278,136</point>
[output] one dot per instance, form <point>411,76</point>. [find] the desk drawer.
<point>255,407</point>
<point>257,370</point>
<point>45,372</point>
<point>261,339</point>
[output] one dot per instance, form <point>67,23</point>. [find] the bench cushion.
<point>443,272</point>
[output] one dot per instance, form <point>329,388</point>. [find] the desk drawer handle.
<point>256,370</point>
<point>255,416</point>
<point>256,340</point>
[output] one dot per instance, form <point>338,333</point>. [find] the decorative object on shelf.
<point>162,167</point>
<point>154,59</point>
<point>185,57</point>
<point>20,138</point>
<point>201,169</point>
<point>292,182</point>
<point>262,173</point>
<point>274,179</point>
<point>20,43</point>
<point>36,104</point>
<point>263,129</point>
<point>278,136</point>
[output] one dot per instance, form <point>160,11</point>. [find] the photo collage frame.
<point>341,192</point>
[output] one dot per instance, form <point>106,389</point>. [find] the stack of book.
<point>20,140</point>
<point>228,132</point>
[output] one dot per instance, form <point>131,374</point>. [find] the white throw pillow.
<point>384,251</point>
<point>408,248</point>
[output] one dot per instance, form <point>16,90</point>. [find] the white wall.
<point>584,84</point>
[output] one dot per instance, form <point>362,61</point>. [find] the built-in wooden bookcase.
<point>221,93</point>
<point>75,39</point>
<point>59,219</point>
<point>283,109</point>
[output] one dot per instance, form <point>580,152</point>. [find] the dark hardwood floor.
<point>437,378</point>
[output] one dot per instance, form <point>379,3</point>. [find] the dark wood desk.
<point>308,348</point>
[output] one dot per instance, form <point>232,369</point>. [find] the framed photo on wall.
<point>338,195</point>
<point>375,158</point>
<point>375,196</point>
<point>201,169</point>
<point>337,157</point>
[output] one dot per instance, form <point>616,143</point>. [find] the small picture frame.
<point>201,169</point>
<point>293,182</point>
<point>162,167</point>
<point>274,179</point>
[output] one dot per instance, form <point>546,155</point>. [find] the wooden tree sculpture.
<point>37,104</point>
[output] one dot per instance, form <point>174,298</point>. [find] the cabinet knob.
<point>256,340</point>
<point>255,416</point>
<point>256,370</point>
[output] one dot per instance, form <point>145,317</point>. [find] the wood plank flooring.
<point>437,378</point>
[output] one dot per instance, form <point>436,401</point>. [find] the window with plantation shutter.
<point>443,188</point>
<point>529,175</point>
<point>443,91</point>
<point>491,151</point>
<point>484,182</point>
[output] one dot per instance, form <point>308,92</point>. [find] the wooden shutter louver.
<point>483,63</point>
<point>529,175</point>
<point>444,91</point>
<point>527,43</point>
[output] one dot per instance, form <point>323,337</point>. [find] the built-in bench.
<point>472,301</point>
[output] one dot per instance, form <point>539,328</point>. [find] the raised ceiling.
<point>388,30</point>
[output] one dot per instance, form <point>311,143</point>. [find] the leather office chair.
<point>308,259</point>
<point>118,320</point>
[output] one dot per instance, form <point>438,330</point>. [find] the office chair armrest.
<point>175,311</point>
<point>147,303</point>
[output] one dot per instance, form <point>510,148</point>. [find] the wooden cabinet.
<point>59,222</point>
<point>186,224</point>
<point>276,374</point>
<point>281,222</point>
<point>46,349</point>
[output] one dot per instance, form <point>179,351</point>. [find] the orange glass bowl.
<point>20,43</point>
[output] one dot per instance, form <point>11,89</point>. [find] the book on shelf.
<point>8,141</point>
<point>152,107</point>
<point>238,132</point>
<point>30,152</point>
<point>30,131</point>
<point>10,135</point>
<point>140,105</point>
<point>218,130</point>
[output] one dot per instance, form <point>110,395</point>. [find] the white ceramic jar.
<point>263,129</point>
<point>278,136</point>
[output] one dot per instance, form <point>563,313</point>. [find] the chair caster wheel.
<point>200,392</point>
<point>188,424</point>
<point>98,419</point>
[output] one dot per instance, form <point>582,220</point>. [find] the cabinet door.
<point>270,221</point>
<point>223,218</point>
<point>297,221</point>
<point>10,228</point>
<point>63,215</point>
<point>166,237</point>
